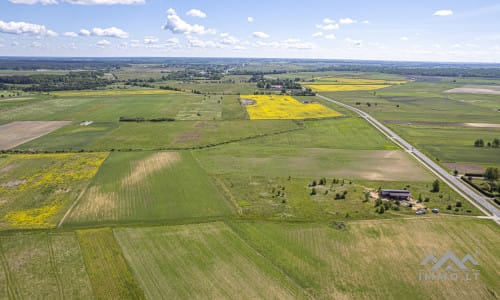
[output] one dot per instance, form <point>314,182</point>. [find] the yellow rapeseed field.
<point>285,107</point>
<point>36,187</point>
<point>92,93</point>
<point>338,84</point>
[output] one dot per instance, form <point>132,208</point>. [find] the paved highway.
<point>468,193</point>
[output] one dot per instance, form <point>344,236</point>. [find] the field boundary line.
<point>70,209</point>
<point>271,262</point>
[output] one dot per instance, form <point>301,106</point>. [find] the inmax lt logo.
<point>449,267</point>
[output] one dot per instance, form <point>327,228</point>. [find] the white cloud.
<point>330,36</point>
<point>84,32</point>
<point>103,43</point>
<point>354,43</point>
<point>328,27</point>
<point>30,2</point>
<point>366,22</point>
<point>71,34</point>
<point>176,25</point>
<point>328,21</point>
<point>443,13</point>
<point>150,40</point>
<point>229,40</point>
<point>197,43</point>
<point>36,44</point>
<point>110,32</point>
<point>404,38</point>
<point>347,21</point>
<point>318,34</point>
<point>456,46</point>
<point>25,28</point>
<point>250,19</point>
<point>261,35</point>
<point>172,42</point>
<point>196,13</point>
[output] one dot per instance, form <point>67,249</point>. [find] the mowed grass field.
<point>379,259</point>
<point>269,107</point>
<point>41,265</point>
<point>105,136</point>
<point>201,261</point>
<point>37,189</point>
<point>149,187</point>
<point>109,273</point>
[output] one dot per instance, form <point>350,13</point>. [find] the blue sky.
<point>390,30</point>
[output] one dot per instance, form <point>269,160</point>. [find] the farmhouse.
<point>395,194</point>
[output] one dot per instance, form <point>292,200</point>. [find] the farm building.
<point>395,194</point>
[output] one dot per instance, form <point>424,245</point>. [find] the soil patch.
<point>476,89</point>
<point>465,168</point>
<point>17,133</point>
<point>247,101</point>
<point>144,168</point>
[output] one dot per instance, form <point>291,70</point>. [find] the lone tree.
<point>491,174</point>
<point>479,143</point>
<point>435,186</point>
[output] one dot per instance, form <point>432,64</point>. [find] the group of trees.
<point>49,82</point>
<point>491,174</point>
<point>493,144</point>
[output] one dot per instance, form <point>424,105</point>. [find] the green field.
<point>42,265</point>
<point>155,135</point>
<point>106,266</point>
<point>149,187</point>
<point>378,259</point>
<point>205,261</point>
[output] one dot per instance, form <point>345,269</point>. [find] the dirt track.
<point>17,133</point>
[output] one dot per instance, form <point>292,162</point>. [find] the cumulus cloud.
<point>366,22</point>
<point>103,43</point>
<point>150,40</point>
<point>404,38</point>
<point>71,34</point>
<point>196,13</point>
<point>443,13</point>
<point>318,34</point>
<point>110,32</point>
<point>330,36</point>
<point>328,27</point>
<point>296,44</point>
<point>25,28</point>
<point>250,19</point>
<point>328,21</point>
<point>261,35</point>
<point>80,2</point>
<point>239,48</point>
<point>84,32</point>
<point>229,40</point>
<point>347,21</point>
<point>197,43</point>
<point>177,25</point>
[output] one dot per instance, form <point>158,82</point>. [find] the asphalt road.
<point>468,193</point>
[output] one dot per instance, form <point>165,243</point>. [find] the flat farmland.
<point>108,271</point>
<point>149,187</point>
<point>100,107</point>
<point>379,259</point>
<point>37,189</point>
<point>104,136</point>
<point>199,262</point>
<point>17,133</point>
<point>42,265</point>
<point>311,162</point>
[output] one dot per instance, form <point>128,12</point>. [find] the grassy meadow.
<point>149,187</point>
